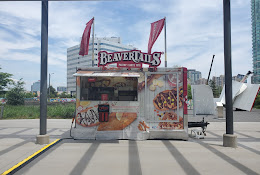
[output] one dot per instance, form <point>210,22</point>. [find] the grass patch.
<point>62,111</point>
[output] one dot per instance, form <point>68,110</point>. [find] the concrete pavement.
<point>17,138</point>
<point>205,156</point>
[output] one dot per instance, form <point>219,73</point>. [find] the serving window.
<point>108,88</point>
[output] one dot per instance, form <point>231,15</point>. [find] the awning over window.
<point>105,74</point>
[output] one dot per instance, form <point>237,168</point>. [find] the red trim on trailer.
<point>255,99</point>
<point>185,91</point>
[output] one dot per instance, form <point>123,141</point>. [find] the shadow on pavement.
<point>84,161</point>
<point>239,144</point>
<point>14,135</point>
<point>245,135</point>
<point>182,161</point>
<point>134,166</point>
<point>18,132</point>
<point>11,148</point>
<point>228,159</point>
<point>35,161</point>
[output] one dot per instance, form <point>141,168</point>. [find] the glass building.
<point>255,18</point>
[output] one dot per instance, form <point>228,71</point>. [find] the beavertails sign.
<point>129,59</point>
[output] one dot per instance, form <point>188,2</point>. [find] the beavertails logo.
<point>133,59</point>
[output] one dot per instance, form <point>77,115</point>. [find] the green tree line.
<point>15,93</point>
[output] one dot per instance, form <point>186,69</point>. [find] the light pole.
<point>229,139</point>
<point>43,138</point>
<point>50,85</point>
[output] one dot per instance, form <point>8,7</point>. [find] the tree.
<point>215,90</point>
<point>189,92</point>
<point>219,89</point>
<point>64,95</point>
<point>15,95</point>
<point>29,95</point>
<point>53,92</point>
<point>5,80</point>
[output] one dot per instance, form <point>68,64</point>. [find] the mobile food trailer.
<point>131,102</point>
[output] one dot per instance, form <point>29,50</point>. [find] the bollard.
<point>220,111</point>
<point>2,112</point>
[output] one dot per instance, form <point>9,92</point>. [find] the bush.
<point>61,111</point>
<point>15,96</point>
<point>33,112</point>
<point>21,112</point>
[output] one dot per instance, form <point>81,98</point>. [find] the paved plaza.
<point>195,156</point>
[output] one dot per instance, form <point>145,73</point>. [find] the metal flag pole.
<point>93,43</point>
<point>165,42</point>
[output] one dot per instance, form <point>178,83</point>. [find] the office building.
<point>36,86</point>
<point>255,21</point>
<point>201,81</point>
<point>74,60</point>
<point>193,76</point>
<point>62,89</point>
<point>219,81</point>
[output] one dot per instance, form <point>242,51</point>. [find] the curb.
<point>21,164</point>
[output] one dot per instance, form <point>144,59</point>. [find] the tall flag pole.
<point>165,45</point>
<point>93,43</point>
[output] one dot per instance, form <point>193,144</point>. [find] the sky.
<point>194,33</point>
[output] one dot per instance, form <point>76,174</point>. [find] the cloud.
<point>194,32</point>
<point>25,10</point>
<point>67,20</point>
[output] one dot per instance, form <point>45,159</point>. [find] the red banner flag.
<point>156,28</point>
<point>85,39</point>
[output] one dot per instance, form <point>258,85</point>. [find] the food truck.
<point>129,101</point>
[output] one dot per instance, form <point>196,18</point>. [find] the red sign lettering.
<point>129,59</point>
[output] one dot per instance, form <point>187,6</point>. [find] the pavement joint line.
<point>21,164</point>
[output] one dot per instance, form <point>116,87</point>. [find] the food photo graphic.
<point>167,99</point>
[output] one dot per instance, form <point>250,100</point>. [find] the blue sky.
<point>194,33</point>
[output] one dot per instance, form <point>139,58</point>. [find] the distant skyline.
<point>194,33</point>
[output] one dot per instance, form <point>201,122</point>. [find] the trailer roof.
<point>105,74</point>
